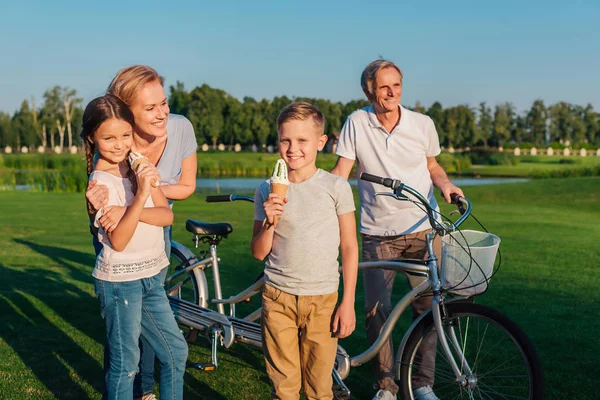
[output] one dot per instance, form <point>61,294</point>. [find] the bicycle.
<point>482,353</point>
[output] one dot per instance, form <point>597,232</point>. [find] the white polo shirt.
<point>401,154</point>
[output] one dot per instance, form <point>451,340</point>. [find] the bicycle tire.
<point>491,342</point>
<point>186,291</point>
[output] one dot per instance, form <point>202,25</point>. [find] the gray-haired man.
<point>389,140</point>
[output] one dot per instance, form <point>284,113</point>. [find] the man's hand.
<point>111,216</point>
<point>96,195</point>
<point>449,188</point>
<point>344,320</point>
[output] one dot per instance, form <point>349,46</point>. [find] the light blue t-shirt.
<point>181,143</point>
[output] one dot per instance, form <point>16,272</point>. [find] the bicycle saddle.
<point>204,228</point>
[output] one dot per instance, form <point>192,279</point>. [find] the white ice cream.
<point>280,173</point>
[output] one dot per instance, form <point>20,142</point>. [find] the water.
<point>250,184</point>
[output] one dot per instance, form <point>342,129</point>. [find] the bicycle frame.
<point>206,318</point>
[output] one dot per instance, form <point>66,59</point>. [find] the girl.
<point>127,282</point>
<point>169,142</point>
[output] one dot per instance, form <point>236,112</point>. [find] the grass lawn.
<point>51,332</point>
<point>535,166</point>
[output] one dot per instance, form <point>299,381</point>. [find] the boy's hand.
<point>111,216</point>
<point>273,206</point>
<point>96,195</point>
<point>344,320</point>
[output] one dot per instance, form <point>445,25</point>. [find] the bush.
<point>481,156</point>
<point>454,163</point>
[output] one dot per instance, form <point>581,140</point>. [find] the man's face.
<point>388,90</point>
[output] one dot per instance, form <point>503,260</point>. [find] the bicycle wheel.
<point>189,286</point>
<point>503,361</point>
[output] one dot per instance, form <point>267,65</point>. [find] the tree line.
<point>218,118</point>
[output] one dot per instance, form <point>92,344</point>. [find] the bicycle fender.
<point>198,273</point>
<point>407,335</point>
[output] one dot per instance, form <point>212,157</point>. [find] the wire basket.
<point>468,261</point>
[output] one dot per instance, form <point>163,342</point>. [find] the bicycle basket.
<point>459,274</point>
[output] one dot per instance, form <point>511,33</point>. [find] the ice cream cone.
<point>281,189</point>
<point>279,182</point>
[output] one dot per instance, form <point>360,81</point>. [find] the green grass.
<point>51,331</point>
<point>536,166</point>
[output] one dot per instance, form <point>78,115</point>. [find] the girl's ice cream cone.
<point>279,182</point>
<point>135,160</point>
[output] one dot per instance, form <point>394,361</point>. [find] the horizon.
<point>459,54</point>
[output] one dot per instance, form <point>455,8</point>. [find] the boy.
<point>300,322</point>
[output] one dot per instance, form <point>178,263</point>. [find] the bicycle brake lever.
<point>401,197</point>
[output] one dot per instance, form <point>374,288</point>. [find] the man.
<point>389,140</point>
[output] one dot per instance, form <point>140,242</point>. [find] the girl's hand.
<point>145,174</point>
<point>111,216</point>
<point>274,206</point>
<point>96,195</point>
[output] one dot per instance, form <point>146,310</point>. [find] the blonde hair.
<point>301,111</point>
<point>369,75</point>
<point>129,81</point>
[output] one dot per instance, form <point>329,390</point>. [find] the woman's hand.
<point>111,216</point>
<point>96,195</point>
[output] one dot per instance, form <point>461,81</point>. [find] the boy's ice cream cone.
<point>279,182</point>
<point>135,160</point>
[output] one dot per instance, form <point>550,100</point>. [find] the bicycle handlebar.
<point>398,187</point>
<point>227,197</point>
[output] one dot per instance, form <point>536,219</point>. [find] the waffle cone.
<point>281,190</point>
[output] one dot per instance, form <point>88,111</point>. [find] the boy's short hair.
<point>301,111</point>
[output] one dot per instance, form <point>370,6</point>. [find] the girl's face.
<point>151,110</point>
<point>113,140</point>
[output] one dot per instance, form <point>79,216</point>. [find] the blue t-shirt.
<point>181,143</point>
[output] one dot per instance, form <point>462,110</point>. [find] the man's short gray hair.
<point>367,79</point>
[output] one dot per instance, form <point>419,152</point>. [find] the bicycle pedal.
<point>204,366</point>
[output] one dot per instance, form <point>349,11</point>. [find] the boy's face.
<point>299,142</point>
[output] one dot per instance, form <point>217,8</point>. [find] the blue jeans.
<point>144,380</point>
<point>140,309</point>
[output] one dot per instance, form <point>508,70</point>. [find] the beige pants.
<point>298,344</point>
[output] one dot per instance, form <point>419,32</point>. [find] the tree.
<point>484,124</point>
<point>23,126</point>
<point>419,108</point>
<point>260,121</point>
<point>501,124</point>
<point>536,123</point>
<point>560,121</point>
<point>205,111</point>
<point>436,113</point>
<point>50,113</point>
<point>179,99</point>
<point>69,103</point>
<point>592,125</point>
<point>6,131</point>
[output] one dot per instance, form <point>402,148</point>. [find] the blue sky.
<point>460,52</point>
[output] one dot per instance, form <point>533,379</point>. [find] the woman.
<point>168,141</point>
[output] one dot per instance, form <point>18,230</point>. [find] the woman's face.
<point>151,110</point>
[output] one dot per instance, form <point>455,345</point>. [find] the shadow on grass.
<point>36,336</point>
